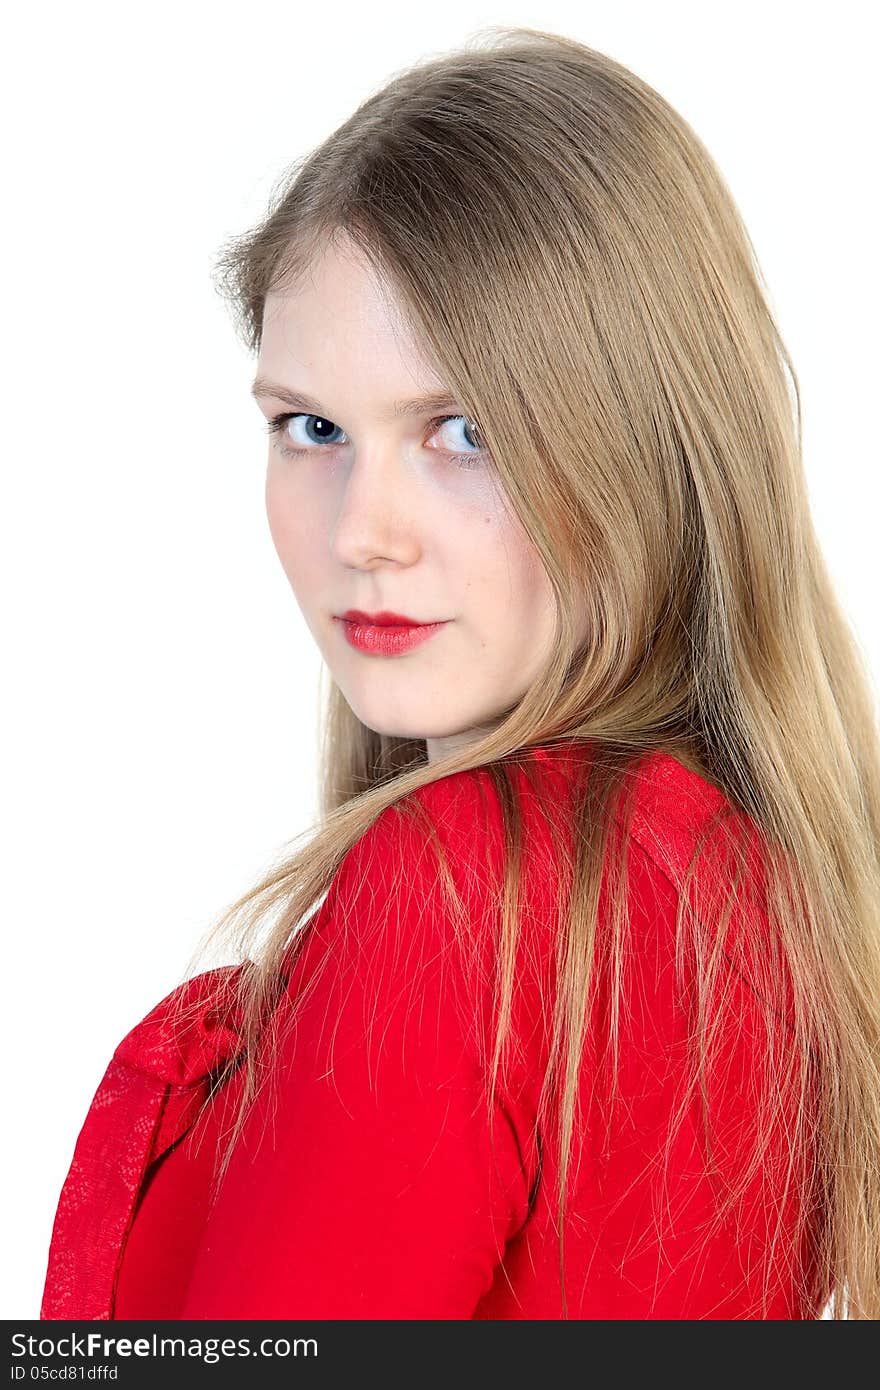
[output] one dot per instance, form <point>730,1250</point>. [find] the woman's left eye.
<point>469,433</point>
<point>315,430</point>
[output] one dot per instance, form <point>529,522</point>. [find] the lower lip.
<point>387,641</point>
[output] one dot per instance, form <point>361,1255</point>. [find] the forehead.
<point>341,315</point>
<point>337,287</point>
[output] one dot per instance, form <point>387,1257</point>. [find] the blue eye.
<point>470,436</point>
<point>324,429</point>
<point>320,431</point>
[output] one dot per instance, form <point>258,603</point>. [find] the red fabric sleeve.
<point>368,1188</point>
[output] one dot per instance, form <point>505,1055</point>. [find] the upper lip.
<point>383,619</point>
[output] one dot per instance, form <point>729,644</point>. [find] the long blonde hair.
<point>575,264</point>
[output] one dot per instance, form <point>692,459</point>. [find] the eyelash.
<point>277,423</point>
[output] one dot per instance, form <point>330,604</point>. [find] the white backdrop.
<point>160,696</point>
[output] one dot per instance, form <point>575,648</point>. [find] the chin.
<point>410,729</point>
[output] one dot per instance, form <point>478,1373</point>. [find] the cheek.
<point>291,525</point>
<point>510,599</point>
<point>532,592</point>
<point>536,602</point>
<point>277,512</point>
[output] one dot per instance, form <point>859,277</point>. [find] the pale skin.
<point>393,512</point>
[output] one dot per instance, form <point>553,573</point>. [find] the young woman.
<point>570,1006</point>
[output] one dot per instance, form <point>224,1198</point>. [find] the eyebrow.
<point>419,405</point>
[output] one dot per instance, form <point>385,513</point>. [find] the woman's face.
<point>389,510</point>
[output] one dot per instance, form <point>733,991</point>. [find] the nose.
<point>380,515</point>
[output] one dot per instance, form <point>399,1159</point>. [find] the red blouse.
<point>366,1183</point>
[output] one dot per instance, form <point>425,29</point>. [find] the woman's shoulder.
<point>685,837</point>
<point>671,807</point>
<point>455,828</point>
<point>463,816</point>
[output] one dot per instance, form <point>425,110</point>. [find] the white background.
<point>160,694</point>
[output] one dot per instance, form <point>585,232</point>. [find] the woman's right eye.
<point>323,432</point>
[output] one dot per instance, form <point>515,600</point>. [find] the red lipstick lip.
<point>387,639</point>
<point>383,619</point>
